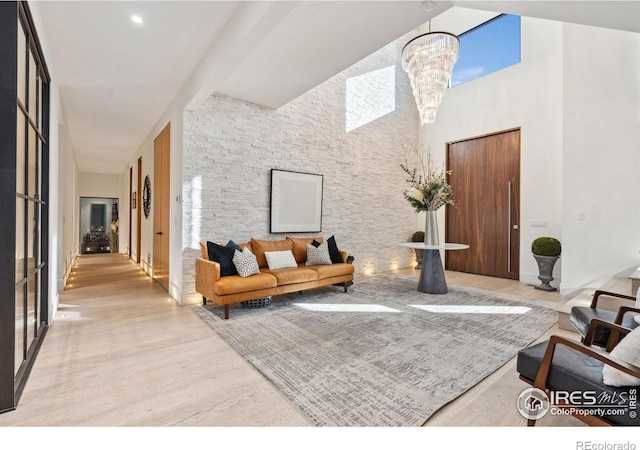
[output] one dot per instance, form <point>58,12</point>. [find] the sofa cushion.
<point>246,263</point>
<point>223,255</point>
<point>280,259</point>
<point>318,255</point>
<point>334,252</point>
<point>333,270</point>
<point>571,371</point>
<point>260,246</point>
<point>300,274</point>
<point>235,284</point>
<point>300,247</point>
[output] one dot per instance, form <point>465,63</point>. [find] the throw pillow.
<point>318,256</point>
<point>280,259</point>
<point>336,257</point>
<point>627,350</point>
<point>246,263</point>
<point>300,247</point>
<point>223,255</point>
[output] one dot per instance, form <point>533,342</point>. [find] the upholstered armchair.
<point>562,365</point>
<point>582,316</point>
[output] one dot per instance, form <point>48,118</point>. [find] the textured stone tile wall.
<point>230,147</point>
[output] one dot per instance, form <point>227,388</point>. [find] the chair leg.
<point>204,300</point>
<point>226,312</point>
<point>346,285</point>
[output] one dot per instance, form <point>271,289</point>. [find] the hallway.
<point>122,353</point>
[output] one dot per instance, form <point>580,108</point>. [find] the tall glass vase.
<point>431,229</point>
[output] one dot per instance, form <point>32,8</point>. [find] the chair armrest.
<point>598,293</point>
<point>600,355</point>
<point>207,273</point>
<point>623,310</point>
<point>617,333</point>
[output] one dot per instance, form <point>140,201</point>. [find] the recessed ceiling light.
<point>137,19</point>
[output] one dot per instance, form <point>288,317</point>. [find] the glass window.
<point>20,270</point>
<point>488,48</point>
<point>33,88</point>
<point>31,296</point>
<point>32,236</point>
<point>22,66</point>
<point>20,155</point>
<point>19,352</point>
<point>32,161</point>
<point>31,307</point>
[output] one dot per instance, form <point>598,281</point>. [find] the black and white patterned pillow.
<point>246,263</point>
<point>318,256</point>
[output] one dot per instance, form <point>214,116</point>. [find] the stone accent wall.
<point>230,147</point>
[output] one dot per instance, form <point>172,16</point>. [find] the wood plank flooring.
<point>122,353</point>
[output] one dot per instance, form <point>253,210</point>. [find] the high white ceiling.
<point>117,78</point>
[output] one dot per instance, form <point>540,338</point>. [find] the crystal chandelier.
<point>429,60</point>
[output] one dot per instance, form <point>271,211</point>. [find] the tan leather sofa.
<point>234,288</point>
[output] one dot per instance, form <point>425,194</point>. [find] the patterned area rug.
<point>382,354</point>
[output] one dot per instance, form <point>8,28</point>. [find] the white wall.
<point>575,98</point>
<point>601,154</point>
<point>68,231</point>
<point>230,147</point>
<point>104,185</point>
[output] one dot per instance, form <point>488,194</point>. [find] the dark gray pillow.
<point>334,253</point>
<point>223,255</point>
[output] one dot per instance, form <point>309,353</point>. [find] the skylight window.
<point>487,48</point>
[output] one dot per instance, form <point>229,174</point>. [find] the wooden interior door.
<point>130,209</point>
<point>485,178</point>
<point>139,213</point>
<point>160,200</point>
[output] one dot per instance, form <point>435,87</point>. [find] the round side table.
<point>432,280</point>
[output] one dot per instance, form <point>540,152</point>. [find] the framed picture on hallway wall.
<point>296,202</point>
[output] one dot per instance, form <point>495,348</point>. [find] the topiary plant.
<point>418,236</point>
<point>546,246</point>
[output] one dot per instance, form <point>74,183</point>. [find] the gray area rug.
<point>370,368</point>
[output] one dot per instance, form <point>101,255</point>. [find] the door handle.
<point>509,228</point>
<point>159,233</point>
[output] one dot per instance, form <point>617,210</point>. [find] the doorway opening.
<point>99,225</point>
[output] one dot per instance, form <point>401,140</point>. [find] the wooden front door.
<point>160,200</point>
<point>485,178</point>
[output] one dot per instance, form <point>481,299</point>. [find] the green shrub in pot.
<point>546,246</point>
<point>418,236</point>
<point>546,251</point>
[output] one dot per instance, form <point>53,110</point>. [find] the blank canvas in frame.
<point>296,202</point>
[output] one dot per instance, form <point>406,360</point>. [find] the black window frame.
<point>15,17</point>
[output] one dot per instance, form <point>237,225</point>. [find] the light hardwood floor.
<point>121,352</point>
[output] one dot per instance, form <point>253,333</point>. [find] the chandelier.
<point>428,60</point>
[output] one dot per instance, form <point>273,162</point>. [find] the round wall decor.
<point>146,196</point>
